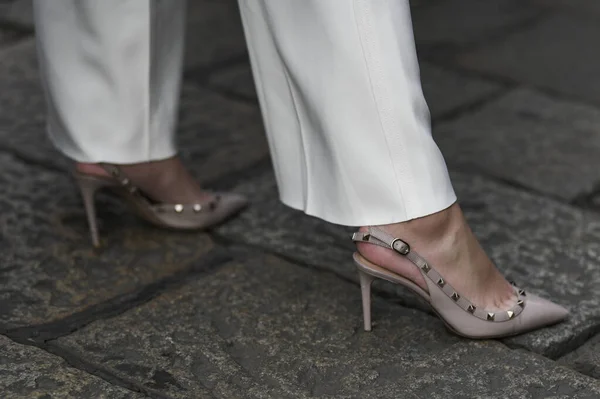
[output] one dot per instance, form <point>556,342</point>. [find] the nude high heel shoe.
<point>195,216</point>
<point>459,314</point>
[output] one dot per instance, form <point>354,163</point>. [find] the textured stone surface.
<point>547,247</point>
<point>236,79</point>
<point>218,136</point>
<point>17,11</point>
<point>214,32</point>
<point>48,269</point>
<point>9,36</point>
<point>265,328</point>
<point>552,145</point>
<point>555,53</point>
<point>27,372</point>
<point>214,142</point>
<point>585,359</point>
<point>22,106</point>
<point>449,24</point>
<point>446,90</point>
<point>580,6</point>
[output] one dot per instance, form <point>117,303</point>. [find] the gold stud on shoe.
<point>521,303</point>
<point>510,314</point>
<point>471,309</point>
<point>490,316</point>
<point>522,293</point>
<point>441,282</point>
<point>455,296</point>
<point>178,208</point>
<point>197,208</point>
<point>366,237</point>
<point>425,268</point>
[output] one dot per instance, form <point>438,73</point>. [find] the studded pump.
<point>194,216</point>
<point>460,315</point>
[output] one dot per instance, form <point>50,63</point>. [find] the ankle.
<point>441,229</point>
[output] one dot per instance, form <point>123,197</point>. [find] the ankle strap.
<point>379,237</point>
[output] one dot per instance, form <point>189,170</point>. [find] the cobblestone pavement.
<point>267,305</point>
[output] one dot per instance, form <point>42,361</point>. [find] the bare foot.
<point>164,181</point>
<point>448,244</point>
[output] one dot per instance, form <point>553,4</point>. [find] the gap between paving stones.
<point>30,161</point>
<point>82,365</point>
<point>115,306</point>
<point>77,361</point>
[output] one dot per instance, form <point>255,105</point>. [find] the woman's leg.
<point>348,127</point>
<point>111,71</point>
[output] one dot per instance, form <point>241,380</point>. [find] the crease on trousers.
<point>337,80</point>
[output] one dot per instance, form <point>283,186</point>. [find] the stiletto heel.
<point>458,313</point>
<point>174,216</point>
<point>365,286</point>
<point>89,185</point>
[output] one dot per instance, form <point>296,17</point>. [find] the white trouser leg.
<point>348,127</point>
<point>111,70</point>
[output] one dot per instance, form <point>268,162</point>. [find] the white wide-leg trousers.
<point>338,83</point>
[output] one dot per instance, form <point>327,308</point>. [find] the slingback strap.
<point>379,237</point>
<point>187,209</point>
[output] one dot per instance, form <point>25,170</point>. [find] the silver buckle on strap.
<point>404,250</point>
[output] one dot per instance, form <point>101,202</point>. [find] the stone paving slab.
<point>214,32</point>
<point>236,79</point>
<point>9,36</point>
<point>448,25</point>
<point>218,136</point>
<point>547,247</point>
<point>28,372</point>
<point>444,90</point>
<point>48,268</point>
<point>17,11</point>
<point>529,138</point>
<point>580,6</point>
<point>264,328</point>
<point>585,359</point>
<point>212,141</point>
<point>555,54</point>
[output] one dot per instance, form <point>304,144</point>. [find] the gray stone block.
<point>585,359</point>
<point>216,135</point>
<point>557,54</point>
<point>526,137</point>
<point>8,37</point>
<point>17,11</point>
<point>579,6</point>
<point>28,372</point>
<point>453,24</point>
<point>237,79</point>
<point>263,328</point>
<point>214,32</point>
<point>446,91</point>
<point>48,268</point>
<point>547,247</point>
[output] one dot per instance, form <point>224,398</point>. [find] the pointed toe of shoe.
<point>232,203</point>
<point>540,312</point>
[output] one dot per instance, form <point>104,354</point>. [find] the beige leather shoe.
<point>458,313</point>
<point>195,216</point>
